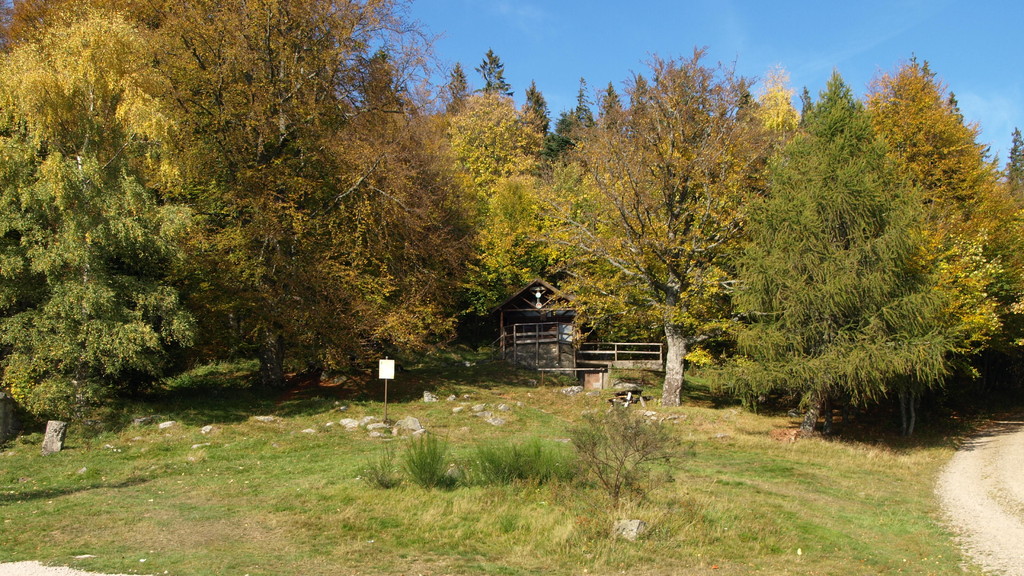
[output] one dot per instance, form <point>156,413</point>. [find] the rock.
<point>342,408</point>
<point>452,398</point>
<point>264,418</point>
<point>82,470</point>
<point>495,421</point>
<point>572,390</point>
<point>377,426</point>
<point>503,408</point>
<point>328,424</point>
<point>53,442</point>
<point>197,446</point>
<point>630,529</point>
<point>8,421</point>
<point>166,425</point>
<point>650,414</point>
<point>206,429</point>
<point>458,409</point>
<point>628,386</point>
<point>408,424</point>
<point>419,432</point>
<point>366,420</point>
<point>378,434</point>
<point>309,431</point>
<point>428,397</point>
<point>485,414</point>
<point>478,407</point>
<point>349,423</point>
<point>143,420</point>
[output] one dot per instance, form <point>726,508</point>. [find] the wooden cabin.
<point>537,327</point>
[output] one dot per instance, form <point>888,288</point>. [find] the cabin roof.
<point>551,292</point>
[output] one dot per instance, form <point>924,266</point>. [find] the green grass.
<point>269,498</point>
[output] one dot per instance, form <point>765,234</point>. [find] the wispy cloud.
<point>526,17</point>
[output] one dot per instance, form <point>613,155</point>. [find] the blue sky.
<point>976,48</point>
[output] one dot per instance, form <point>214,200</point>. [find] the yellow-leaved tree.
<point>973,228</point>
<point>661,205</point>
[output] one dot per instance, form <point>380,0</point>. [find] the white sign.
<point>387,370</point>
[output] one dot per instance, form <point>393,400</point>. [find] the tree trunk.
<point>272,360</point>
<point>675,357</point>
<point>826,411</point>
<point>814,406</point>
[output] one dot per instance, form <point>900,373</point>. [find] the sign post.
<point>386,372</point>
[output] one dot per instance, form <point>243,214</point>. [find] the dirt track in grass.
<point>982,496</point>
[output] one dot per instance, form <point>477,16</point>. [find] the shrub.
<point>426,460</point>
<point>381,471</point>
<point>616,448</point>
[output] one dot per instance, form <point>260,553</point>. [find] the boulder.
<point>166,425</point>
<point>629,529</point>
<point>408,424</point>
<point>53,442</point>
<point>8,423</point>
<point>349,423</point>
<point>428,397</point>
<point>495,421</point>
<point>206,429</point>
<point>264,418</point>
<point>572,390</point>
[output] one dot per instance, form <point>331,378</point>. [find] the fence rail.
<point>623,352</point>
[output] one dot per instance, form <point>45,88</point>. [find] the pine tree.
<point>830,279</point>
<point>492,71</point>
<point>457,90</point>
<point>535,110</point>
<point>583,114</point>
<point>1015,165</point>
<point>609,103</point>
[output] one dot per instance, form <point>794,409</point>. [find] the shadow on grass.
<point>13,497</point>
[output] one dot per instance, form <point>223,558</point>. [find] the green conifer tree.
<point>830,279</point>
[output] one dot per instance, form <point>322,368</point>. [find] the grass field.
<point>287,496</point>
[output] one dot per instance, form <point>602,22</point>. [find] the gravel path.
<point>982,495</point>
<point>37,569</point>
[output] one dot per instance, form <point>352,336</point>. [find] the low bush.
<point>427,462</point>
<point>616,449</point>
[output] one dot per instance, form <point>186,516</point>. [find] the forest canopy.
<point>185,182</point>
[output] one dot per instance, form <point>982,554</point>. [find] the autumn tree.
<point>86,244</point>
<point>775,104</point>
<point>313,173</point>
<point>495,148</point>
<point>831,280</point>
<point>662,204</point>
<point>971,224</point>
